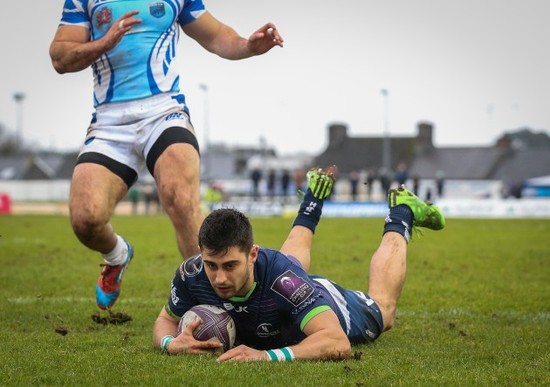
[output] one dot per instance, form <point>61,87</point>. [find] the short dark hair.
<point>225,228</point>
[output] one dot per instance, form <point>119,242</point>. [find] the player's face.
<point>230,274</point>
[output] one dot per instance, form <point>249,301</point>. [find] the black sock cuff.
<point>399,220</point>
<point>310,212</point>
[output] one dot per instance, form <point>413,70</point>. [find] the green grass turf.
<point>475,309</point>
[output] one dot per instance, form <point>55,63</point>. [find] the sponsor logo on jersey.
<point>173,116</point>
<point>175,299</point>
<point>266,330</point>
<point>239,309</point>
<point>104,16</point>
<point>193,266</point>
<point>157,9</point>
<point>293,288</point>
<point>310,301</point>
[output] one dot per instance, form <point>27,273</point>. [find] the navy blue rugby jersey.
<point>273,314</point>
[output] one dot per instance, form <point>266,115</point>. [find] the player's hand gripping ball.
<point>216,322</point>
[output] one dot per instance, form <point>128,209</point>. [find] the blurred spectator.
<point>299,179</point>
<point>256,177</point>
<point>150,195</point>
<point>213,195</point>
<point>271,183</point>
<point>516,189</point>
<point>133,195</point>
<point>439,182</point>
<point>285,182</point>
<point>370,181</point>
<point>385,181</point>
<point>416,184</point>
<point>354,184</point>
<point>401,174</point>
<point>429,194</point>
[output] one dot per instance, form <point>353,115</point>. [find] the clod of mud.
<point>61,331</point>
<point>115,318</point>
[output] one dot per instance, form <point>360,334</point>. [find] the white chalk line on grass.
<point>22,241</point>
<point>442,313</point>
<point>80,300</point>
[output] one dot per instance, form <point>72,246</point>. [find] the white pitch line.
<point>80,300</point>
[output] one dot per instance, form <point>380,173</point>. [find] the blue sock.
<point>399,219</point>
<point>310,212</point>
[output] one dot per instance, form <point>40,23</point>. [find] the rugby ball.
<point>216,322</point>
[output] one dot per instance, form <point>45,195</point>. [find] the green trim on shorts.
<point>312,313</point>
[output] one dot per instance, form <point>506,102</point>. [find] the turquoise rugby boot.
<point>108,284</point>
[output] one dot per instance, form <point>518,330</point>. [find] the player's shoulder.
<point>270,263</point>
<point>271,256</point>
<point>191,267</point>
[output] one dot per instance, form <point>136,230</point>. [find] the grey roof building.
<point>41,166</point>
<point>514,157</point>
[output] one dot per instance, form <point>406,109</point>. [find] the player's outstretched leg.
<point>299,240</point>
<point>403,203</point>
<point>319,186</point>
<point>108,284</point>
<point>389,262</point>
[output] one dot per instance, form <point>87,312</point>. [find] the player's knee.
<point>86,224</point>
<point>179,202</point>
<point>388,310</point>
<point>389,322</point>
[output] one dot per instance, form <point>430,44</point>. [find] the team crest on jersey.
<point>266,330</point>
<point>157,9</point>
<point>293,288</point>
<point>193,266</point>
<point>104,16</point>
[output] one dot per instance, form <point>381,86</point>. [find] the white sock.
<point>117,256</point>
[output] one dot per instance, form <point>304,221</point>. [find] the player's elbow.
<point>59,69</point>
<point>341,349</point>
<point>59,66</point>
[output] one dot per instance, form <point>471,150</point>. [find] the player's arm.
<point>71,49</point>
<point>165,337</point>
<point>325,341</point>
<point>224,41</point>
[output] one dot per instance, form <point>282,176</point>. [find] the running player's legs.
<point>95,191</point>
<point>172,157</point>
<point>177,174</point>
<point>106,168</point>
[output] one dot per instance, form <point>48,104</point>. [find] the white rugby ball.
<point>216,322</point>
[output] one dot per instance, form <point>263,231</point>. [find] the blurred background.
<point>449,98</point>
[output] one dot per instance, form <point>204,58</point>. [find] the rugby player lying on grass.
<point>281,312</point>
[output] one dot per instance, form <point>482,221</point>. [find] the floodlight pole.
<point>19,97</point>
<point>206,124</point>
<point>386,150</point>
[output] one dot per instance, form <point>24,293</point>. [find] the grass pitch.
<point>475,309</point>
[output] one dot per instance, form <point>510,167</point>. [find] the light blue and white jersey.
<point>142,64</point>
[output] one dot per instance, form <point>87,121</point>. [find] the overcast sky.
<point>474,68</point>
